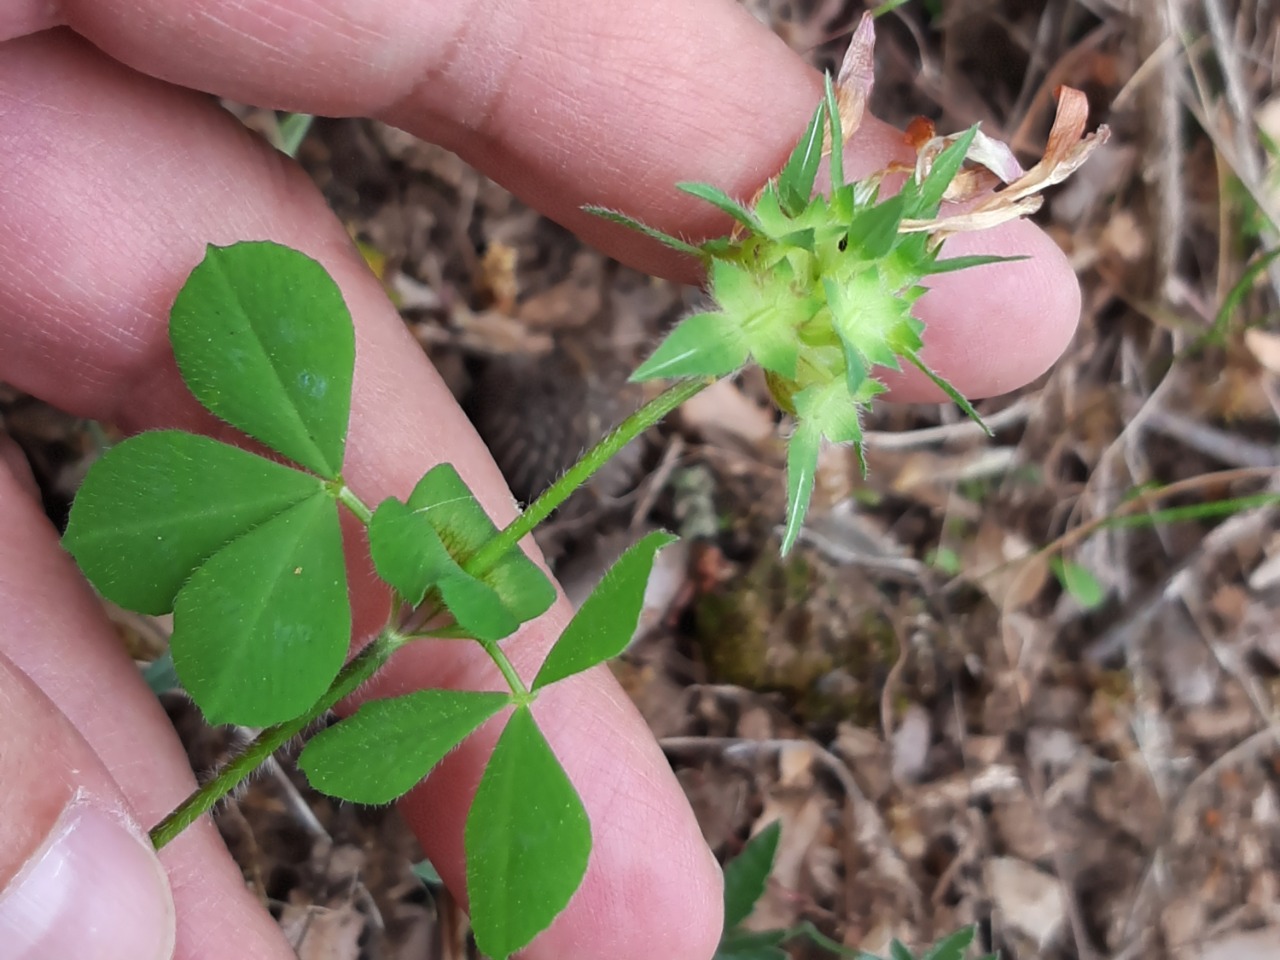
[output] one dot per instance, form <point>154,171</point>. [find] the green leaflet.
<point>444,500</point>
<point>928,196</point>
<point>409,554</point>
<point>158,505</point>
<point>836,133</point>
<point>956,396</point>
<point>262,628</point>
<point>383,749</point>
<point>264,341</point>
<point>745,875</point>
<point>603,626</point>
<point>527,841</point>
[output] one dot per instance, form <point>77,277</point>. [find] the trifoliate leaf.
<point>158,505</point>
<point>264,340</point>
<point>451,508</point>
<point>408,554</point>
<point>262,628</point>
<point>606,621</point>
<point>387,746</point>
<point>527,840</point>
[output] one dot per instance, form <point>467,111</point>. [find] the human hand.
<point>113,180</point>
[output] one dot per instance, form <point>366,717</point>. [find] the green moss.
<point>787,626</point>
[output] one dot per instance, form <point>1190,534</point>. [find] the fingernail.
<point>94,889</point>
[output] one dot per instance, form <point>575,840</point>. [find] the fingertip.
<point>646,914</point>
<point>994,328</point>
<point>77,874</point>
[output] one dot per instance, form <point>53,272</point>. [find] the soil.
<point>972,695</point>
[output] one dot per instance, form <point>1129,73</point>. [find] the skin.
<point>114,175</point>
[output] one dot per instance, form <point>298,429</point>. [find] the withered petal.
<point>856,76</point>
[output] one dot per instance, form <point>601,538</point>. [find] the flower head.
<point>818,290</point>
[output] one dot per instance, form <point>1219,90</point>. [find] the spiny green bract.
<point>818,291</point>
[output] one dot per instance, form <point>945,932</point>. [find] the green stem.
<point>508,670</point>
<point>361,667</point>
<point>353,503</point>
<point>591,461</point>
<point>454,632</point>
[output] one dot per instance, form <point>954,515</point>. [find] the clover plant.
<point>247,549</point>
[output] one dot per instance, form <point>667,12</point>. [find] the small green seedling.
<point>746,878</point>
<point>248,550</point>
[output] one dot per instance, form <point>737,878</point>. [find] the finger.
<point>77,875</point>
<point>80,800</point>
<point>581,102</point>
<point>99,242</point>
<point>980,333</point>
<point>13,460</point>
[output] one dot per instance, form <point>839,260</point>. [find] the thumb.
<point>78,877</point>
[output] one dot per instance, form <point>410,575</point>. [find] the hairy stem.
<point>353,503</point>
<point>591,461</point>
<point>508,670</point>
<point>361,667</point>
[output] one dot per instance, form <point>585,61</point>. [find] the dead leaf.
<point>856,77</point>
<point>1067,149</point>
